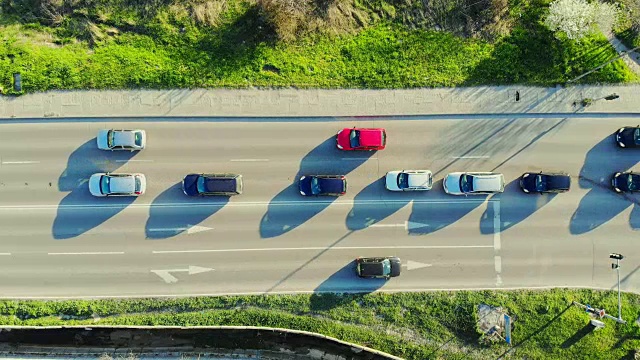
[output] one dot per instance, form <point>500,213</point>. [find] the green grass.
<point>411,325</point>
<point>161,47</point>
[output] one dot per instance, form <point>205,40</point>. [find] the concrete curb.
<point>355,348</point>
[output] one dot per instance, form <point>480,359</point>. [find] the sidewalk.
<point>320,103</point>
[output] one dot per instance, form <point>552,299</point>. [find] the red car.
<point>361,139</point>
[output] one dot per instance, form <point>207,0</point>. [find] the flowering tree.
<point>578,18</point>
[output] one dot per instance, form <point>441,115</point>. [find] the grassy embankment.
<point>59,44</point>
<point>415,326</point>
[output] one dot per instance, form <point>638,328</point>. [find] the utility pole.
<point>603,65</point>
<point>616,266</point>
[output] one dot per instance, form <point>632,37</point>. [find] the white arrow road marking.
<point>407,225</point>
<point>168,278</point>
<point>190,229</point>
<point>413,265</point>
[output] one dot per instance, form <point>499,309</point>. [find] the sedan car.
<point>545,182</point>
<point>322,185</point>
<point>473,183</point>
<point>121,139</point>
<point>409,180</point>
<point>628,137</point>
<point>212,184</point>
<point>106,184</point>
<point>378,267</point>
<point>361,139</point>
<point>626,182</point>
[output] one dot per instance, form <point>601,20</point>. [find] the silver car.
<point>472,183</point>
<point>121,139</point>
<point>409,180</point>
<point>106,184</point>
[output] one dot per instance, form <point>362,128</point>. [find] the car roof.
<point>370,137</point>
<point>220,184</point>
<point>419,179</point>
<point>122,184</point>
<point>372,268</point>
<point>558,181</point>
<point>487,182</point>
<point>331,185</point>
<point>124,138</point>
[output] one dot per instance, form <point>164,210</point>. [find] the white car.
<point>409,180</point>
<point>471,183</point>
<point>105,184</point>
<point>121,139</point>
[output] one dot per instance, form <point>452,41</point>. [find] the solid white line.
<point>496,226</point>
<point>248,203</point>
<point>359,159</point>
<point>470,157</point>
<point>184,295</point>
<point>5,254</point>
<point>20,162</point>
<point>324,248</point>
<point>249,160</point>
<point>90,253</point>
<point>404,225</point>
<point>131,160</point>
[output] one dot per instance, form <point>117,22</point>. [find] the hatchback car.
<point>106,184</point>
<point>361,139</point>
<point>472,183</point>
<point>378,267</point>
<point>626,182</point>
<point>628,137</point>
<point>322,185</point>
<point>545,182</point>
<point>212,184</point>
<point>121,139</point>
<point>409,180</point>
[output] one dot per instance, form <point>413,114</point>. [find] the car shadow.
<point>601,203</point>
<point>634,218</point>
<point>346,280</point>
<point>441,211</point>
<point>288,209</point>
<point>165,222</point>
<point>367,209</point>
<point>72,218</point>
<point>515,206</point>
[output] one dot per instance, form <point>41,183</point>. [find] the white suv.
<point>105,184</point>
<point>121,139</point>
<point>472,183</point>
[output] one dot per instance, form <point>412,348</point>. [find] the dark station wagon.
<point>378,267</point>
<point>212,184</point>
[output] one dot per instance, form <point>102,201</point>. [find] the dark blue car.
<point>323,185</point>
<point>628,137</point>
<point>545,182</point>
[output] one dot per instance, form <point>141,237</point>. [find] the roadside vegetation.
<point>116,44</point>
<point>414,326</point>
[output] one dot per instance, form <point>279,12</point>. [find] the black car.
<point>212,184</point>
<point>628,137</point>
<point>327,185</point>
<point>545,182</point>
<point>378,267</point>
<point>626,182</point>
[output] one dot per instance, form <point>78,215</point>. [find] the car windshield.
<point>315,187</point>
<point>201,184</point>
<point>138,138</point>
<point>354,138</point>
<point>636,136</point>
<point>541,184</point>
<point>386,267</point>
<point>104,184</point>
<point>466,183</point>
<point>631,184</point>
<point>403,181</point>
<point>110,138</point>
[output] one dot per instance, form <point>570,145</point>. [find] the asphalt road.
<point>58,241</point>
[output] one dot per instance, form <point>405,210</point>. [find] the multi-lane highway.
<point>58,241</point>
